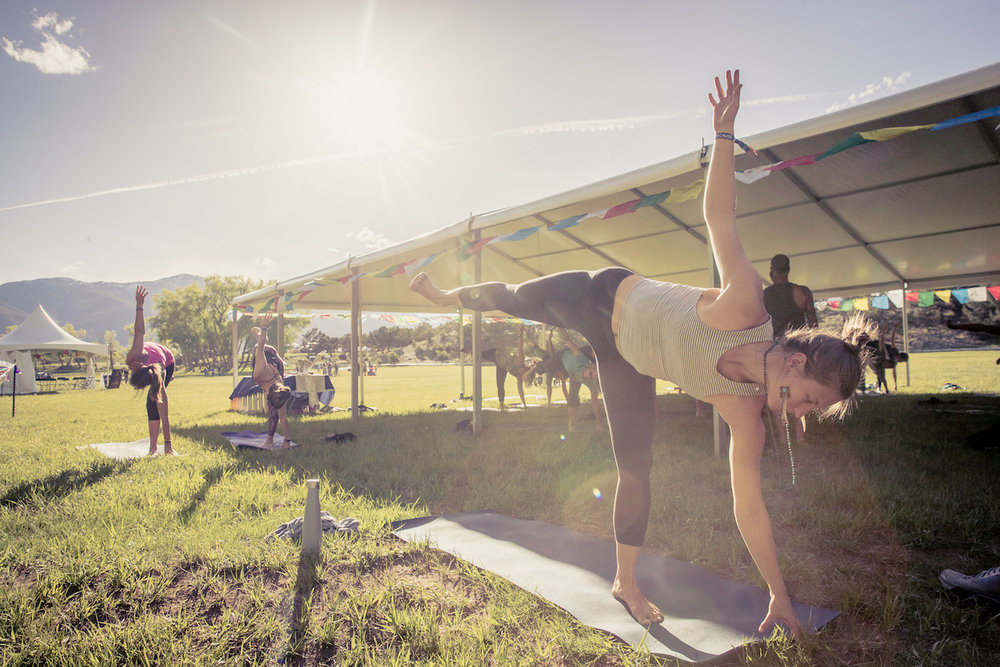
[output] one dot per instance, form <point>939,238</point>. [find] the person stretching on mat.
<point>714,343</point>
<point>268,371</point>
<point>578,367</point>
<point>151,365</point>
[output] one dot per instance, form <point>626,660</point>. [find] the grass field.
<point>163,561</point>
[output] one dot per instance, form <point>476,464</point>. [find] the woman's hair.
<point>836,361</point>
<point>278,395</point>
<point>148,376</point>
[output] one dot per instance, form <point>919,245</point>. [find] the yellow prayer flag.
<point>892,132</point>
<point>686,192</point>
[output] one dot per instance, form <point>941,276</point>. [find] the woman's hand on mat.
<point>780,610</point>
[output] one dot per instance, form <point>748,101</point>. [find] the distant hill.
<point>93,307</point>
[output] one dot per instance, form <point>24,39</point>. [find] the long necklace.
<point>784,415</point>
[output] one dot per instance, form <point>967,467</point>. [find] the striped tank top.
<point>661,335</point>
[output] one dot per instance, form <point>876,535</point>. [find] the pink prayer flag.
<point>621,209</point>
<point>994,291</point>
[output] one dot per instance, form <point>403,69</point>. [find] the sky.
<point>271,139</point>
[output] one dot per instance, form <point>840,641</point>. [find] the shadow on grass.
<point>212,477</point>
<point>62,484</point>
<point>305,586</point>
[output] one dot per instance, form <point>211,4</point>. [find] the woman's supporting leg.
<point>501,384</point>
<point>630,404</point>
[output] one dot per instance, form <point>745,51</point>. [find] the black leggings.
<point>584,300</point>
<point>152,412</point>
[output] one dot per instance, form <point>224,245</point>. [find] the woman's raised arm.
<point>736,271</point>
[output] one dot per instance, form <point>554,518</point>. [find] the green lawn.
<point>164,560</point>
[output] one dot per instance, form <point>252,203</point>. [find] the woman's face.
<point>807,395</point>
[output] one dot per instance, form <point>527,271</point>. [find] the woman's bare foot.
<point>641,609</point>
<point>425,287</point>
<point>152,451</point>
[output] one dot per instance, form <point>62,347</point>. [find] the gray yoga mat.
<point>126,450</point>
<point>704,615</point>
<point>255,440</point>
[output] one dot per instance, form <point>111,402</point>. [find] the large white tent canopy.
<point>39,332</point>
<point>898,193</point>
<point>921,209</point>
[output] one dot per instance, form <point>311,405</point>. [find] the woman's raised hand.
<point>728,102</point>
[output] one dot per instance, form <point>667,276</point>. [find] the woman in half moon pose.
<point>716,344</point>
<point>268,371</point>
<point>151,365</point>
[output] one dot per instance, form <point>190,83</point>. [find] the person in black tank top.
<point>789,305</point>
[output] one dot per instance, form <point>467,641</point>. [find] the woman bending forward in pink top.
<point>151,365</point>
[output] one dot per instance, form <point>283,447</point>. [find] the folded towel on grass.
<point>293,529</point>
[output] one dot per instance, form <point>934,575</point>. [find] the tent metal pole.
<point>461,348</point>
<point>906,335</point>
<point>355,334</point>
<point>477,361</point>
<point>235,344</point>
<point>280,308</point>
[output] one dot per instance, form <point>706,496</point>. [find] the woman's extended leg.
<point>562,299</point>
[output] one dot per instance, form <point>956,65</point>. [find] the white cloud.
<point>54,56</point>
<point>370,239</point>
<point>265,263</point>
<point>886,86</point>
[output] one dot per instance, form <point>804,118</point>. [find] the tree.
<point>196,322</point>
<point>115,349</point>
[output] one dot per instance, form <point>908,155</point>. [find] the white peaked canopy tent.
<point>899,193</point>
<point>39,332</point>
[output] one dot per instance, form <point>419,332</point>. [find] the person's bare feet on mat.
<point>641,609</point>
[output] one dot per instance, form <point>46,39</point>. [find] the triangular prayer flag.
<point>961,295</point>
<point>850,142</point>
<point>977,293</point>
<point>968,118</point>
<point>752,175</point>
<point>846,305</point>
<point>994,292</point>
<point>925,299</point>
<point>652,200</point>
<point>944,295</point>
<point>891,132</point>
<point>880,301</point>
<point>861,303</point>
<point>566,222</point>
<point>913,296</point>
<point>686,192</point>
<point>621,209</point>
<point>834,303</point>
<point>896,297</point>
<point>385,273</point>
<point>519,235</point>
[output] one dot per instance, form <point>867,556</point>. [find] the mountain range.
<point>93,307</point>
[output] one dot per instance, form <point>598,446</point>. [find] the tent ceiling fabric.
<point>922,207</point>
